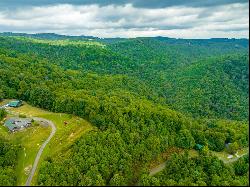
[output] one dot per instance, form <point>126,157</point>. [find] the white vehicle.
<point>4,106</point>
<point>230,156</point>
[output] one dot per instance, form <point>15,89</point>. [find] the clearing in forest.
<point>69,128</point>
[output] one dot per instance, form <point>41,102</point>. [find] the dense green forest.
<point>2,114</point>
<point>145,95</point>
<point>8,162</point>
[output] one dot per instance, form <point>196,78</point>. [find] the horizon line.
<point>69,35</point>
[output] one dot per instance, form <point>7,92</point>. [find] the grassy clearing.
<point>243,151</point>
<point>65,134</point>
<point>223,154</point>
<point>64,137</point>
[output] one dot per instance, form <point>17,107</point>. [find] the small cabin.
<point>15,103</point>
<point>198,147</point>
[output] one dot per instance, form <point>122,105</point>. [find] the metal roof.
<point>17,123</point>
<point>14,103</point>
<point>199,146</point>
<point>10,124</point>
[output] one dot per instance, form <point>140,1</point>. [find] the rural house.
<point>14,124</point>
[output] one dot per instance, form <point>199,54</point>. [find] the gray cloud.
<point>192,19</point>
<point>136,3</point>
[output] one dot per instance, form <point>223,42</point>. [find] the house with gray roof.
<point>14,124</point>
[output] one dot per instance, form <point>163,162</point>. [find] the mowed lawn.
<point>65,134</point>
<point>32,138</point>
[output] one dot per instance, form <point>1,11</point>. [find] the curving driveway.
<point>41,148</point>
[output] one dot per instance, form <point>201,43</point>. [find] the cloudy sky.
<point>128,18</point>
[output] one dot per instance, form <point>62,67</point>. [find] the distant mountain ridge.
<point>47,36</point>
<point>161,38</point>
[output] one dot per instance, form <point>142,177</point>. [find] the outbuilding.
<point>198,147</point>
<point>15,103</point>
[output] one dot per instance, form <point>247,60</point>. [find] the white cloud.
<point>128,21</point>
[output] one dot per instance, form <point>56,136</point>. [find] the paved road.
<point>41,149</point>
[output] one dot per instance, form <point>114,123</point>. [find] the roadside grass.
<point>64,137</point>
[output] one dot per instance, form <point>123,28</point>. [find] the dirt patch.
<point>27,169</point>
<point>44,123</point>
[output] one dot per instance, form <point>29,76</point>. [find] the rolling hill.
<point>146,96</point>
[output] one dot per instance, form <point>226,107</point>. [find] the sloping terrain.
<point>144,96</point>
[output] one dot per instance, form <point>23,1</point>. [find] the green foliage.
<point>205,78</point>
<point>241,167</point>
<point>1,94</point>
<point>3,113</point>
<point>118,180</point>
<point>204,151</point>
<point>216,140</point>
<point>145,95</point>
<point>203,170</point>
<point>42,97</point>
<point>22,116</point>
<point>185,139</point>
<point>8,161</point>
<point>233,147</point>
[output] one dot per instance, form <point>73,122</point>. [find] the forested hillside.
<point>145,95</point>
<point>196,76</point>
